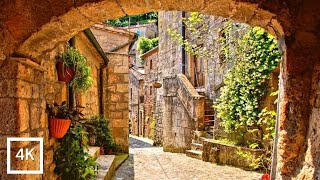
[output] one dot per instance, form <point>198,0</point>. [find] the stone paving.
<point>148,162</point>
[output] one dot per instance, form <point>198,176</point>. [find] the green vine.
<point>246,83</point>
<point>82,80</point>
<point>253,54</point>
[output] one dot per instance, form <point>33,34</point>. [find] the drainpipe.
<point>183,32</point>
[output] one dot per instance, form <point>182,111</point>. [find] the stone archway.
<point>31,28</point>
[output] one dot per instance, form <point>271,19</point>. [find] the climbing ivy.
<point>247,81</point>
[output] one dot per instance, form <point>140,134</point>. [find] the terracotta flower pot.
<point>157,85</point>
<point>59,127</point>
<point>65,73</point>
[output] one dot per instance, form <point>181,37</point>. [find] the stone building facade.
<point>40,85</point>
<point>116,43</point>
<point>136,101</point>
<point>150,93</point>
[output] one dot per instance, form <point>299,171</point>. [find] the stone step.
<point>196,146</point>
<point>93,151</point>
<point>107,167</point>
<point>194,154</point>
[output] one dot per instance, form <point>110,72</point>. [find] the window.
<point>150,90</point>
<point>150,62</point>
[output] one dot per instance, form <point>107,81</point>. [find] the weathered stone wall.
<point>90,100</point>
<point>177,123</point>
<point>136,91</point>
<point>310,166</point>
<point>183,113</point>
<point>169,64</point>
<point>23,96</point>
<point>151,73</point>
<point>116,90</point>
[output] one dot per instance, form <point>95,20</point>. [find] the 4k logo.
<point>28,153</point>
<point>25,154</point>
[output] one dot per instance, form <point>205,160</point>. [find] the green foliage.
<point>99,127</point>
<point>201,34</point>
<point>146,44</point>
<point>254,55</point>
<point>71,160</point>
<point>63,112</point>
<point>152,127</point>
<point>82,80</point>
<point>134,19</point>
<point>246,83</point>
<point>225,141</point>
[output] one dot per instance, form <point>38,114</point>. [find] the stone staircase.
<point>200,136</point>
<point>106,162</point>
<point>196,148</point>
<point>208,115</point>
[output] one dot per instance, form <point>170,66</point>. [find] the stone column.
<point>296,76</point>
<point>117,100</point>
<point>22,114</point>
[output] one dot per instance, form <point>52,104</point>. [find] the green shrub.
<point>99,127</point>
<point>71,160</point>
<point>146,44</point>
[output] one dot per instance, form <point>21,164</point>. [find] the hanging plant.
<point>80,79</point>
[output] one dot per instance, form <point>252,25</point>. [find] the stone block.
<point>114,78</point>
<point>125,114</point>
<point>115,123</point>
<point>121,69</point>
<point>14,115</point>
<point>122,88</point>
<point>35,114</point>
<point>111,88</point>
<point>52,167</point>
<point>24,89</point>
<point>48,158</point>
<point>3,141</point>
<point>115,97</point>
<point>122,106</point>
<point>115,115</point>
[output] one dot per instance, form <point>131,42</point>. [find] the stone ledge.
<point>107,167</point>
<point>93,151</point>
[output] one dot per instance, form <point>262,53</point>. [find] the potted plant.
<point>98,129</point>
<point>66,64</point>
<point>59,119</point>
<point>72,67</point>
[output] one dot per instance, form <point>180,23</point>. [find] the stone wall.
<point>90,100</point>
<point>150,92</point>
<point>116,83</point>
<point>309,168</point>
<point>23,88</point>
<point>183,113</point>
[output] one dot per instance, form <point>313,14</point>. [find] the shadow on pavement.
<point>136,143</point>
<point>126,170</point>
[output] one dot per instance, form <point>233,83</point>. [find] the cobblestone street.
<point>148,162</point>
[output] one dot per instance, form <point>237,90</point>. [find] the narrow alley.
<point>149,162</point>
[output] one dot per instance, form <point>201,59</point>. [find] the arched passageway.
<point>31,28</point>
